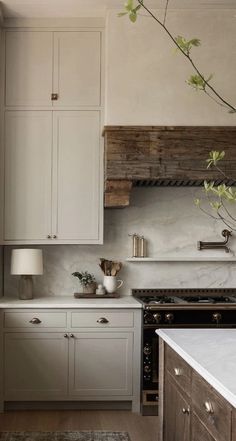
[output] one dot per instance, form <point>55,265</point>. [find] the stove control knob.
<point>216,317</point>
<point>169,318</point>
<point>147,349</point>
<point>157,317</point>
<point>148,318</point>
<point>147,369</point>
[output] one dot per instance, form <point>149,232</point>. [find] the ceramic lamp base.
<point>25,287</point>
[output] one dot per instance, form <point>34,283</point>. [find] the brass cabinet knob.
<point>54,96</point>
<point>72,336</point>
<point>66,336</point>
<point>49,236</point>
<point>102,320</point>
<point>35,321</point>
<point>177,372</point>
<point>208,407</point>
<point>54,236</point>
<point>186,411</point>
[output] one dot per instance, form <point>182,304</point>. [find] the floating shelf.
<point>181,259</point>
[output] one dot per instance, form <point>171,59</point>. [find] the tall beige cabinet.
<point>53,153</point>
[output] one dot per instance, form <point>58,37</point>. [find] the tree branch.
<point>186,55</point>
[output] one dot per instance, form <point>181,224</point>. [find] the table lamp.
<point>26,263</point>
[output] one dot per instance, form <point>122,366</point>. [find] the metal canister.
<point>135,244</point>
<point>143,247</point>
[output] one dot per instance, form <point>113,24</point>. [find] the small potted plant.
<point>87,281</point>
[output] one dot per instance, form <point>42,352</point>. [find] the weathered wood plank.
<point>117,193</point>
<point>167,153</point>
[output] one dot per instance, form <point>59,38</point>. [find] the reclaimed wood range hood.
<point>163,156</point>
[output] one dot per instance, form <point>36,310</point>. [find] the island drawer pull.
<point>102,320</point>
<point>177,372</point>
<point>186,411</point>
<point>35,321</point>
<point>208,407</point>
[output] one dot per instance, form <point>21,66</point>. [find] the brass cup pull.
<point>49,236</point>
<point>35,321</point>
<point>177,372</point>
<point>186,411</point>
<point>54,236</point>
<point>102,320</point>
<point>208,407</point>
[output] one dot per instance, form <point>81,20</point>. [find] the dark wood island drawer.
<point>211,408</point>
<point>179,369</point>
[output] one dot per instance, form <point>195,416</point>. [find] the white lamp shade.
<point>27,262</point>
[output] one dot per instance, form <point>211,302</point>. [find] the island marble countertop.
<point>69,302</point>
<point>211,352</point>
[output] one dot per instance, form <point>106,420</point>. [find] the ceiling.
<point>78,8</point>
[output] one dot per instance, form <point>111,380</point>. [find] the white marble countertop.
<point>211,352</point>
<point>69,302</point>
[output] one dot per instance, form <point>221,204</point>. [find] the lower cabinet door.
<point>101,364</point>
<point>176,413</point>
<point>36,366</point>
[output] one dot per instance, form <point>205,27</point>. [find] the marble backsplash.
<point>172,225</point>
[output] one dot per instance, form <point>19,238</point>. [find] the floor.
<point>140,428</point>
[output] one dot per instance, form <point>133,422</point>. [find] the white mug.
<point>111,284</point>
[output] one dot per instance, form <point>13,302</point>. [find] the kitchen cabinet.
<point>176,411</point>
<point>41,63</point>
<point>48,356</point>
<point>53,189</point>
<point>53,186</point>
<point>28,176</point>
<point>35,366</point>
<point>101,364</point>
<point>29,68</point>
<point>191,409</point>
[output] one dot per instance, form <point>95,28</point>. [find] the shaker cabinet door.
<point>177,418</point>
<point>101,364</point>
<point>77,70</point>
<point>29,66</point>
<point>36,366</point>
<point>77,193</point>
<point>28,172</point>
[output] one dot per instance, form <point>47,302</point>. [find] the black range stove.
<point>178,308</point>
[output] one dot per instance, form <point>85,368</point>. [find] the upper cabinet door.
<point>28,166</point>
<point>77,178</point>
<point>77,68</point>
<point>29,68</point>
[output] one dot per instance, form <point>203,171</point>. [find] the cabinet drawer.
<point>102,319</point>
<point>35,319</point>
<point>179,370</point>
<point>212,409</point>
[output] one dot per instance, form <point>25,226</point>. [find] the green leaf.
<point>133,16</point>
<point>214,157</point>
<point>129,5</point>
<point>198,82</point>
<point>186,45</point>
<point>216,205</point>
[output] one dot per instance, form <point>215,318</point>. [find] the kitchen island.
<point>198,384</point>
